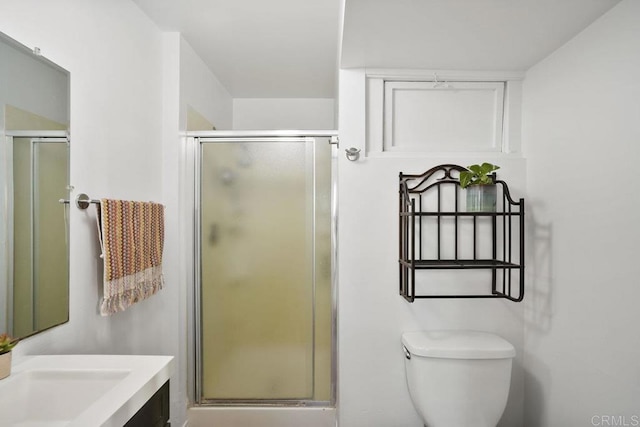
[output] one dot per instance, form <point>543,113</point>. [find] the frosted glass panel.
<point>323,291</point>
<point>260,238</point>
<point>51,246</point>
<point>23,310</point>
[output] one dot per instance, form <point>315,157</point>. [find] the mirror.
<point>34,177</point>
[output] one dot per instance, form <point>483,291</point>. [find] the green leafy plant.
<point>477,175</point>
<point>7,343</point>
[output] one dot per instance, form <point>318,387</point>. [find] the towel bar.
<point>83,201</point>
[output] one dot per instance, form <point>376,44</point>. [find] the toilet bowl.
<point>458,378</point>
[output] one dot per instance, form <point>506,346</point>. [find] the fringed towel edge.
<point>128,290</point>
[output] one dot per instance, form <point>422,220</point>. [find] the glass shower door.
<point>265,270</point>
<point>40,270</point>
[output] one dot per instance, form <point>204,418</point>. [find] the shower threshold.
<point>287,403</point>
<point>272,416</point>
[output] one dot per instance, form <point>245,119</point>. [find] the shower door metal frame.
<point>194,145</point>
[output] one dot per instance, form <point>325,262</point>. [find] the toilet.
<point>458,378</point>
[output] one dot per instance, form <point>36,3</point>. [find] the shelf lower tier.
<point>436,296</point>
<point>410,213</point>
<point>458,264</point>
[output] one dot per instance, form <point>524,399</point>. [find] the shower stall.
<point>34,251</point>
<point>264,297</point>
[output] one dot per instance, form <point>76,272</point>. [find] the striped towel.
<point>132,240</point>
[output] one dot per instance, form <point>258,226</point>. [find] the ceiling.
<point>291,48</point>
<point>260,48</point>
<point>461,34</point>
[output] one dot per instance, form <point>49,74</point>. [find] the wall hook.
<point>352,153</point>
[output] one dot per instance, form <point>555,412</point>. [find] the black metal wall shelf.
<point>431,216</point>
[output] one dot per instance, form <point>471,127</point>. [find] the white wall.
<point>114,54</point>
<point>201,89</point>
<point>581,138</point>
<point>372,316</point>
<point>283,113</point>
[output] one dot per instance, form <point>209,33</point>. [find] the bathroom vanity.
<point>87,390</point>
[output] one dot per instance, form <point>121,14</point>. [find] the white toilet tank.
<point>458,378</point>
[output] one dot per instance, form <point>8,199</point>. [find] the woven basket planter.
<point>5,365</point>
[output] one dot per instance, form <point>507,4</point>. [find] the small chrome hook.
<point>352,153</point>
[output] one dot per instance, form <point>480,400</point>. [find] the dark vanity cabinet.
<point>154,413</point>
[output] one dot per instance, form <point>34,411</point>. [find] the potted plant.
<point>481,190</point>
<point>6,345</point>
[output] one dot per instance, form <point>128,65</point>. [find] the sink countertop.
<point>123,384</point>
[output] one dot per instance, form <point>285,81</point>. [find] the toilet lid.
<point>458,345</point>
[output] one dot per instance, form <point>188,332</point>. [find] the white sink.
<point>80,390</point>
